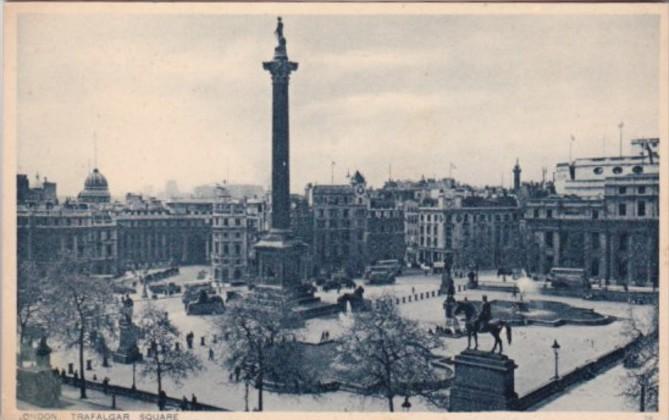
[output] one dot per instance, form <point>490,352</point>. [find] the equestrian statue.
<point>476,322</point>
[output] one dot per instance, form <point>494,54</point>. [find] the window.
<point>641,208</point>
<point>549,239</point>
<point>617,170</point>
<point>637,169</point>
<point>595,240</point>
<point>598,170</point>
<point>642,190</point>
<point>549,214</point>
<point>622,209</point>
<point>624,241</point>
<point>595,214</point>
<point>622,190</point>
<point>536,213</point>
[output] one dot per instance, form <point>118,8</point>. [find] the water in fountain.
<point>525,287</point>
<point>346,317</point>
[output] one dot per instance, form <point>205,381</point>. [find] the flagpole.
<point>620,145</point>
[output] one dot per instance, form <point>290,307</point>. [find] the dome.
<point>96,189</point>
<point>95,180</point>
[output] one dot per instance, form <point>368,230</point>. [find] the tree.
<point>166,360</point>
<point>642,361</point>
<point>388,355</point>
<point>260,348</point>
<point>29,305</point>
<point>80,308</point>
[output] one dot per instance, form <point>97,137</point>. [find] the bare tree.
<point>260,348</point>
<point>166,360</point>
<point>80,308</point>
<point>642,361</point>
<point>387,355</point>
<point>31,290</point>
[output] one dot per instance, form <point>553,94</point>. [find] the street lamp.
<point>406,405</point>
<point>556,349</point>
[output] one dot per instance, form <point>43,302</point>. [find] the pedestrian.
<point>238,372</point>
<point>211,354</point>
<point>193,402</point>
<point>183,406</point>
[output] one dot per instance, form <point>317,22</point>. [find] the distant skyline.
<point>184,97</point>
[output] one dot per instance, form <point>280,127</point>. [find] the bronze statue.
<point>279,33</point>
<point>476,322</point>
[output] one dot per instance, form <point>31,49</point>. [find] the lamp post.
<point>556,349</point>
<point>406,405</point>
<point>134,387</point>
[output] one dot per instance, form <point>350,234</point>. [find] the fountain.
<point>346,317</point>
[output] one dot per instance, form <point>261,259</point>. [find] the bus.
<point>572,278</point>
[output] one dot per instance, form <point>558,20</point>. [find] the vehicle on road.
<point>572,278</point>
<point>381,277</point>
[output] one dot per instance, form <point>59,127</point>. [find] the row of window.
<point>226,249</point>
<point>228,221</point>
<point>466,217</point>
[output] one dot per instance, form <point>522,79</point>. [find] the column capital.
<point>280,68</point>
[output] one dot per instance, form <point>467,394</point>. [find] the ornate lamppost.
<point>556,349</point>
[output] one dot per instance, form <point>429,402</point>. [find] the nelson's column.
<point>281,257</point>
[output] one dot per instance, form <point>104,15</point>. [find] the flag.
<point>452,165</point>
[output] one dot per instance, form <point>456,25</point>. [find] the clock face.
<point>359,190</point>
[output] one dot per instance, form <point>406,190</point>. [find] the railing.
<point>588,371</point>
<point>136,394</point>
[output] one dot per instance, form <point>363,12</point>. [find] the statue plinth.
<point>483,382</point>
<point>128,351</point>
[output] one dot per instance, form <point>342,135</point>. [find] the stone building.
<point>613,236</point>
<point>230,252</point>
<point>340,219</point>
<point>47,232</point>
<point>473,231</point>
<point>42,192</point>
<point>385,234</point>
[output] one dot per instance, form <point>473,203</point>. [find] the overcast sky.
<point>185,97</point>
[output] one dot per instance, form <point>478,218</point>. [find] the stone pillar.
<point>483,382</point>
<point>280,68</point>
<point>556,248</point>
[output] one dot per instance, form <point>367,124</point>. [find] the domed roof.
<point>96,189</point>
<point>95,180</point>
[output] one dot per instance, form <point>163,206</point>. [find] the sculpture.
<point>475,323</point>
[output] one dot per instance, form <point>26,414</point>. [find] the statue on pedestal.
<point>127,351</point>
<point>43,354</point>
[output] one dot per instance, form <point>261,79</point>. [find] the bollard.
<point>403,299</point>
<point>409,298</point>
<point>397,301</point>
<point>202,341</point>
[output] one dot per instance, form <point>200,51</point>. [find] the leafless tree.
<point>387,355</point>
<point>80,308</point>
<point>166,360</point>
<point>642,361</point>
<point>31,289</point>
<point>260,348</point>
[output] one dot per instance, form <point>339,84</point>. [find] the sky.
<point>185,97</point>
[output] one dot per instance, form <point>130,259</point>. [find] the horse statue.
<point>474,324</point>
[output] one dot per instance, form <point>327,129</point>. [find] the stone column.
<point>280,68</point>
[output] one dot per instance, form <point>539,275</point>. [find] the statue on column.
<point>281,48</point>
